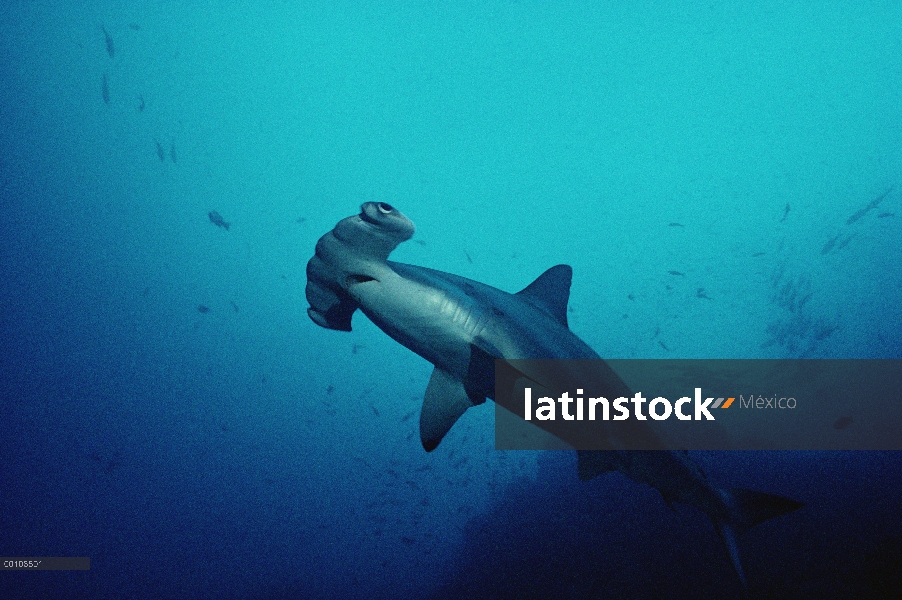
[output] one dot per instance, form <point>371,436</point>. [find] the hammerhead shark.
<point>461,326</point>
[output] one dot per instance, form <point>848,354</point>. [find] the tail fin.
<point>751,508</point>
<point>747,509</point>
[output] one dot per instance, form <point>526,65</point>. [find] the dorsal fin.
<point>550,292</point>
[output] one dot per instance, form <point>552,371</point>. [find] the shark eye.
<point>385,208</point>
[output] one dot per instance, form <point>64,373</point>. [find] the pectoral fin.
<point>446,400</point>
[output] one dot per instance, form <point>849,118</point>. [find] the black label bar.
<point>45,563</point>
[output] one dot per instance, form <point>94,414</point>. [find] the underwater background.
<point>725,179</point>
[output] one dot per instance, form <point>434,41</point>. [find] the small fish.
<point>824,331</point>
<point>300,220</point>
<point>172,152</point>
<point>375,410</point>
<point>113,463</point>
<point>140,103</point>
<point>235,306</point>
<point>663,345</point>
<point>857,216</point>
<point>134,27</point>
<point>105,90</point>
<point>845,242</point>
<point>872,204</point>
<point>879,198</point>
<point>785,212</point>
<point>217,220</point>
<point>885,215</point>
<point>842,422</point>
<point>675,225</point>
<point>829,245</point>
<point>700,293</point>
<point>203,309</point>
<point>160,152</point>
<point>467,254</point>
<point>804,300</point>
<point>758,254</point>
<point>110,49</point>
<point>677,273</point>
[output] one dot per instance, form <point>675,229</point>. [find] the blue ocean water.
<point>725,179</point>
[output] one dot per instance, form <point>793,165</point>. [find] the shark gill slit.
<point>464,315</point>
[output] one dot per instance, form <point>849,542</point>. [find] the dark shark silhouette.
<point>217,219</point>
<point>110,48</point>
<point>461,326</point>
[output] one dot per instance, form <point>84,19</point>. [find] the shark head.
<point>354,251</point>
<point>374,233</point>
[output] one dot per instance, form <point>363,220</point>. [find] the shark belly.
<point>432,322</point>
